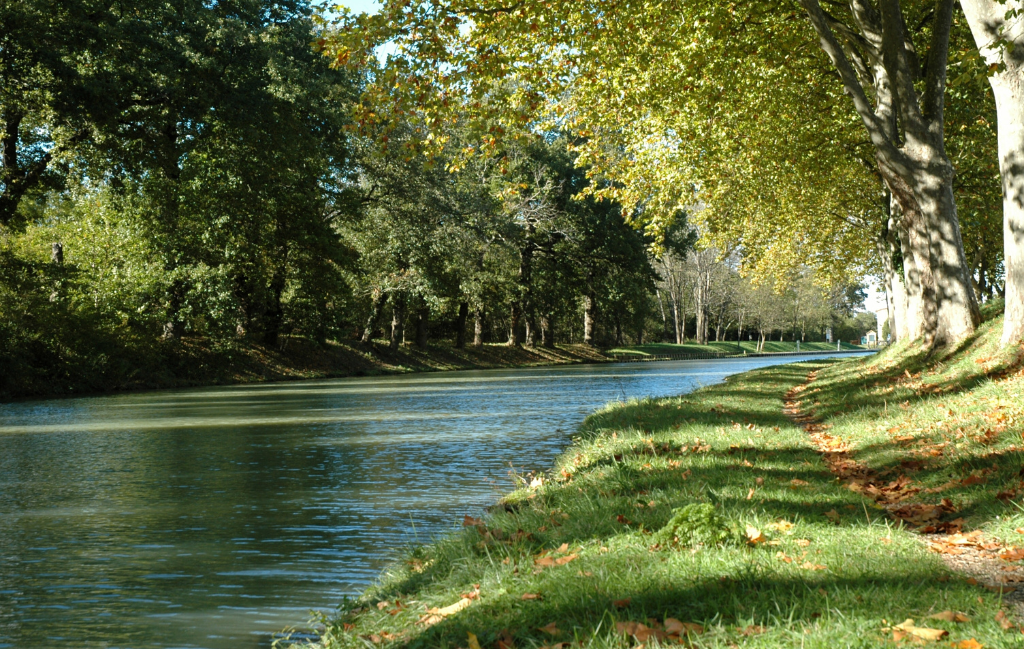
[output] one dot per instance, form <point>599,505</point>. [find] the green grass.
<point>724,347</point>
<point>853,571</point>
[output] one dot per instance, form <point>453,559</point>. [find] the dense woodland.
<point>194,175</point>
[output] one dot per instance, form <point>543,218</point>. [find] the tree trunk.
<point>398,305</point>
<point>987,19</point>
<point>516,314</point>
<point>886,246</point>
<point>589,318</point>
<point>460,326</point>
<point>675,320</point>
<point>912,161</point>
<point>664,316</point>
<point>373,320</point>
<point>531,331</point>
<point>274,316</point>
<point>913,325</point>
<point>422,326</point>
<point>478,327</point>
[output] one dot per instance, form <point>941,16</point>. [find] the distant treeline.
<point>186,173</point>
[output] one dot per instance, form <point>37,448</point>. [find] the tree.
<point>569,62</point>
<point>996,29</point>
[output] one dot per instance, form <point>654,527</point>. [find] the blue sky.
<point>360,5</point>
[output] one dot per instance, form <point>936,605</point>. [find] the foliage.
<point>697,524</point>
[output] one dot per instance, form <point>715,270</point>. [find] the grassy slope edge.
<point>569,560</point>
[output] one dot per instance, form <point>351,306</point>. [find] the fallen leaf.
<point>675,627</point>
<point>754,535</point>
<point>563,548</point>
<point>550,629</point>
<point>803,543</point>
<point>807,565</point>
<point>621,603</point>
<point>832,515</point>
<point>780,526</point>
<point>750,494</point>
<point>950,616</point>
<point>469,521</point>
<point>472,641</point>
<point>435,615</point>
<point>561,561</point>
<point>970,643</point>
<point>531,596</point>
<point>753,629</point>
<point>1012,554</point>
<point>924,633</point>
<point>1004,621</point>
<point>797,482</point>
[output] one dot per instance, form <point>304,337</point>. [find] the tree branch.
<point>938,53</point>
<point>873,124</point>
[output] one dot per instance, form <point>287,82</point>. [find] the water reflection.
<point>216,517</point>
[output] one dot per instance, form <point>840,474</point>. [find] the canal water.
<point>217,517</point>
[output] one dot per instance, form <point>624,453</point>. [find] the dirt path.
<point>982,561</point>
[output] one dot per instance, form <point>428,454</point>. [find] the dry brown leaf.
<point>563,548</point>
<point>469,521</point>
<point>683,628</point>
<point>969,643</point>
<point>950,616</point>
<point>1012,554</point>
<point>803,543</point>
<point>550,629</point>
<point>780,526</point>
<point>561,561</point>
<point>797,482</point>
<point>753,629</point>
<point>435,615</point>
<point>750,494</point>
<point>621,603</point>
<point>1004,621</point>
<point>924,633</point>
<point>807,565</point>
<point>532,596</point>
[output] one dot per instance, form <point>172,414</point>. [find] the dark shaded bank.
<point>197,362</point>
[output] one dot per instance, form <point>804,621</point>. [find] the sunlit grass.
<point>834,571</point>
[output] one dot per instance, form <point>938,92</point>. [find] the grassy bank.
<point>195,362</point>
<point>815,538</point>
<point>731,347</point>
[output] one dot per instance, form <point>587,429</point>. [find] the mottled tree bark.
<point>589,318</point>
<point>478,326</point>
<point>989,24</point>
<point>912,161</point>
<point>398,308</point>
<point>515,316</point>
